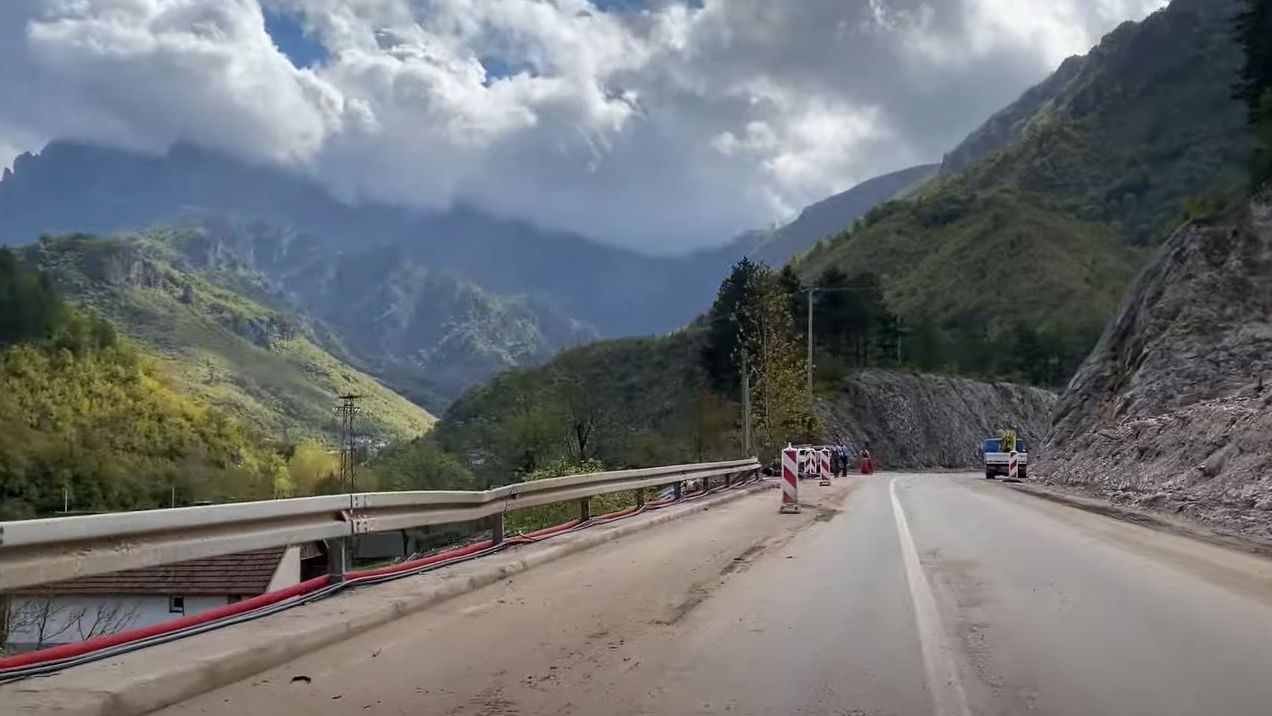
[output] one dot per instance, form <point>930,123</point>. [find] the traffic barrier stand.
<point>1013,466</point>
<point>790,480</point>
<point>825,468</point>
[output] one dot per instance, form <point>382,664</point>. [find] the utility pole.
<point>746,406</point>
<point>811,292</point>
<point>341,551</point>
<point>348,457</point>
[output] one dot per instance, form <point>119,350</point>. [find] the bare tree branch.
<point>43,618</point>
<point>107,618</point>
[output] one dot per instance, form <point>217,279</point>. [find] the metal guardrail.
<point>41,551</point>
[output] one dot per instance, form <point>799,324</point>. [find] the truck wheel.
<point>989,475</point>
<point>1022,473</point>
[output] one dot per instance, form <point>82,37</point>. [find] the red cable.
<point>618,514</point>
<point>421,562</point>
<point>549,531</point>
<point>66,651</point>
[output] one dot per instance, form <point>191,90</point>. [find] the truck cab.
<point>996,459</point>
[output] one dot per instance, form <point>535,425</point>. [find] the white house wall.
<point>70,618</point>
<point>287,573</point>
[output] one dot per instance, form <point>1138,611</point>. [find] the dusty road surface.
<point>894,594</point>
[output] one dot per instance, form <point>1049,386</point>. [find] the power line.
<point>348,410</point>
<point>812,291</point>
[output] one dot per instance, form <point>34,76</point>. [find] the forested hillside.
<point>251,358</point>
<point>1041,219</point>
<point>823,219</point>
<point>635,401</point>
<point>86,419</point>
<point>642,402</point>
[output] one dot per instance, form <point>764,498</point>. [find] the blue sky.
<point>290,37</point>
<point>620,5</point>
<point>305,51</point>
<point>500,67</point>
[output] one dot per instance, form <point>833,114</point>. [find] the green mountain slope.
<point>1041,226</point>
<point>983,265</point>
<point>427,333</point>
<point>629,402</point>
<point>829,216</point>
<point>247,357</point>
<point>1146,123</point>
<point>88,423</point>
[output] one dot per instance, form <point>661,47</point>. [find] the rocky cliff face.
<point>913,420</point>
<point>1171,410</point>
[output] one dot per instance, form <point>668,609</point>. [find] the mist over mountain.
<point>830,216</point>
<point>72,187</point>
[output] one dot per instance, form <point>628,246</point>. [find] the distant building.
<point>85,607</point>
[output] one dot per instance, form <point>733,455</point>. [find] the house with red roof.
<point>85,607</point>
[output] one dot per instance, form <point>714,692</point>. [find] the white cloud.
<point>664,128</point>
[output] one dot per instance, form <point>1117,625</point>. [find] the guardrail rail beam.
<point>43,551</point>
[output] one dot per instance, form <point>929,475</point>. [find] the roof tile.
<point>245,574</point>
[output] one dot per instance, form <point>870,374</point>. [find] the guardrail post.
<point>728,480</point>
<point>338,558</point>
<point>497,528</point>
<point>585,509</point>
<point>677,489</point>
<point>640,497</point>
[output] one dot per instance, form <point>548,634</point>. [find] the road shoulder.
<point>1145,518</point>
<point>149,679</point>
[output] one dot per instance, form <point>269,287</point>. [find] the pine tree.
<point>834,312</point>
<point>870,311</point>
<point>720,355</point>
<point>1254,34</point>
<point>1254,84</point>
<point>29,307</point>
<point>888,336</point>
<point>797,297</point>
<point>782,412</point>
<point>1261,169</point>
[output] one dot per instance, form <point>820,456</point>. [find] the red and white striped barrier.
<point>825,467</point>
<point>1013,466</point>
<point>790,479</point>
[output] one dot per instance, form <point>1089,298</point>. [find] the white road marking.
<point>948,698</point>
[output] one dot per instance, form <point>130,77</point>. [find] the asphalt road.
<point>894,594</point>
